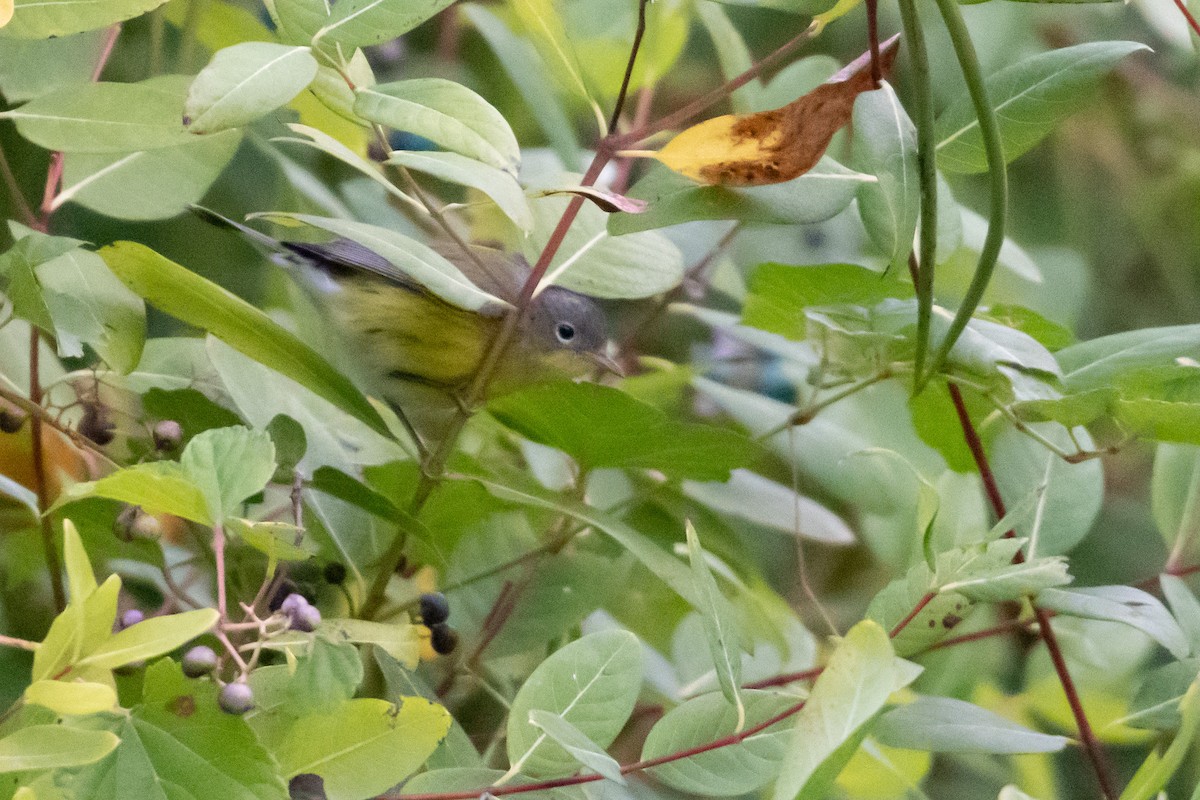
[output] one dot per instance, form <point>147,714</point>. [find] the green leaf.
<point>598,264</point>
<point>422,264</point>
<point>81,581</point>
<point>733,55</point>
<point>750,496</point>
<point>31,68</point>
<point>53,747</point>
<point>40,20</point>
<point>525,68</point>
<point>319,140</point>
<point>359,23</point>
<point>946,725</point>
<point>89,305</point>
<point>1160,766</point>
<point>1072,493</point>
<point>200,302</point>
<point>1175,493</point>
<point>591,683</point>
<point>1184,606</point>
<point>332,436</point>
<point>245,82</point>
<point>737,769</point>
<point>1123,604</point>
<point>147,184</point>
<point>364,747</point>
<point>19,265</point>
<point>1155,705</point>
<point>807,8</point>
<point>604,427</point>
<point>159,487</point>
<point>228,465</point>
<point>779,293</point>
<point>178,743</point>
<point>448,114</point>
<point>497,184</point>
<point>325,678</point>
<point>1030,98</point>
<point>106,117</point>
<point>71,698</point>
<point>720,627</point>
<point>852,689</point>
<point>274,539</point>
<point>571,739</point>
<point>818,195</point>
<point>150,638</point>
<point>885,145</point>
<point>1100,363</point>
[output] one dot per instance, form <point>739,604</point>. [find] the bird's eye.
<point>565,332</point>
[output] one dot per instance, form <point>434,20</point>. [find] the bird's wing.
<point>340,256</point>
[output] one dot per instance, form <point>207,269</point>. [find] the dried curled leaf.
<point>777,145</point>
<point>606,200</point>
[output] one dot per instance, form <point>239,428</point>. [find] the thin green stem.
<point>922,103</point>
<point>989,129</point>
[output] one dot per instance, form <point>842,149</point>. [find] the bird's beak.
<point>606,363</point>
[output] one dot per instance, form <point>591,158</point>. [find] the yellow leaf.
<point>777,145</point>
<point>6,12</point>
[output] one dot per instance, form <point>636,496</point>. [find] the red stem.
<point>1091,745</point>
<point>873,40</point>
<point>633,52</point>
<point>1183,9</point>
<point>917,609</point>
<point>715,96</point>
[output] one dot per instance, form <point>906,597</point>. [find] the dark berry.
<point>236,698</point>
<point>199,661</point>
<point>435,608</point>
<point>306,619</point>
<point>335,573</point>
<point>96,424</point>
<point>285,590</point>
<point>167,435</point>
<point>12,418</point>
<point>131,617</point>
<point>443,639</point>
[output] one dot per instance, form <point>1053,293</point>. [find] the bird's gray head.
<point>560,319</point>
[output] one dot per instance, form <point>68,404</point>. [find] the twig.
<point>1087,737</point>
<point>1191,20</point>
<point>12,641</point>
<point>715,96</point>
<point>873,42</point>
<point>633,53</point>
<point>39,474</point>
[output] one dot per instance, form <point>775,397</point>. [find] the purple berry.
<point>306,619</point>
<point>292,604</point>
<point>167,435</point>
<point>131,617</point>
<point>199,661</point>
<point>236,698</point>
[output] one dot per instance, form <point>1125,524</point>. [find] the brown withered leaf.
<point>606,200</point>
<point>777,145</point>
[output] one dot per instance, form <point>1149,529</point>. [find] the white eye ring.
<point>565,332</point>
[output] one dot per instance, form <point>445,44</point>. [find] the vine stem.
<point>14,189</point>
<point>922,267</point>
<point>989,129</point>
<point>219,553</point>
<point>1087,737</point>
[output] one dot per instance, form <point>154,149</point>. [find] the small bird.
<point>404,335</point>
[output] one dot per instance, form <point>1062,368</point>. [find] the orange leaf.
<point>778,145</point>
